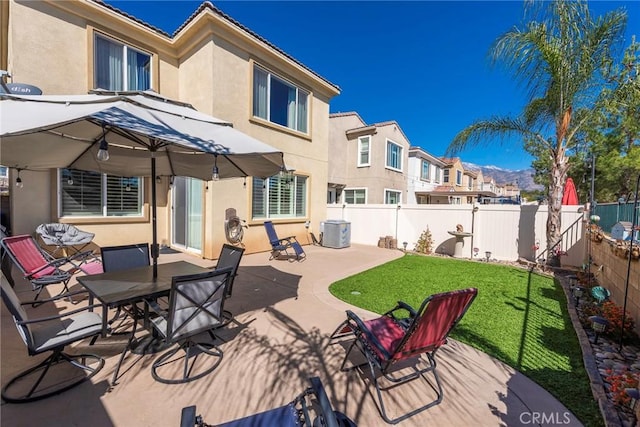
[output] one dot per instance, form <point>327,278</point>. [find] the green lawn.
<point>518,317</point>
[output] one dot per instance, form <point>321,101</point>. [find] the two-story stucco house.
<point>424,175</point>
<point>367,162</point>
<point>212,62</point>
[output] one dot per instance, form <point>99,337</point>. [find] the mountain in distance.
<point>523,177</point>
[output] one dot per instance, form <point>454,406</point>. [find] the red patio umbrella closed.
<point>570,195</point>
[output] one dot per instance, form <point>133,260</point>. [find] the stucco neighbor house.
<point>212,62</point>
<point>368,163</point>
<point>425,175</point>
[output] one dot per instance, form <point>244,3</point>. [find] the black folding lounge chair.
<point>289,245</point>
<point>296,413</point>
<point>53,334</point>
<point>393,338</point>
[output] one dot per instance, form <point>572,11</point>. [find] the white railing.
<point>509,232</point>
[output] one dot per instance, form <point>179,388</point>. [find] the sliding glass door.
<point>187,213</point>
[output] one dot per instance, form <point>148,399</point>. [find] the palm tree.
<point>560,59</point>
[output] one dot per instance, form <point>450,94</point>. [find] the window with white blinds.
<point>279,197</point>
<point>94,194</point>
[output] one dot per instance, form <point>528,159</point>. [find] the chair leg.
<point>35,392</point>
<point>418,373</point>
<point>192,351</point>
<point>114,380</point>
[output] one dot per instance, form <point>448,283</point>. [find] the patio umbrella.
<point>144,134</point>
<point>570,195</point>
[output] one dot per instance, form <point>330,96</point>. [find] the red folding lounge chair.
<point>387,340</point>
<point>39,268</point>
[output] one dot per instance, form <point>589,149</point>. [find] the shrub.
<point>425,242</point>
<point>613,313</point>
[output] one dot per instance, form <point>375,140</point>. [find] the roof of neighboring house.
<point>488,179</point>
<point>347,113</point>
<point>450,161</point>
<point>471,173</point>
<point>212,8</point>
<point>431,157</point>
<point>392,123</point>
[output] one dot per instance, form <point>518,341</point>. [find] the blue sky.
<point>421,63</point>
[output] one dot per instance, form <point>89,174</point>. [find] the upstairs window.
<point>120,67</point>
<point>394,156</point>
<point>446,175</point>
<point>438,171</point>
<point>424,172</point>
<point>92,194</point>
<point>458,177</point>
<point>363,151</point>
<point>279,197</point>
<point>279,101</point>
<point>470,183</point>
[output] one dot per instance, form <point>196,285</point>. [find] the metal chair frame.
<point>78,324</point>
<point>412,340</point>
<point>40,268</point>
<point>296,413</point>
<point>279,245</point>
<point>206,306</point>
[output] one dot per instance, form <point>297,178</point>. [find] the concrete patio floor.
<point>284,315</point>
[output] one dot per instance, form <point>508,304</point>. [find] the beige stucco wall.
<point>613,276</point>
<point>208,65</point>
<point>375,178</point>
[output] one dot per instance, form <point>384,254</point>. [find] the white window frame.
<point>282,184</point>
<point>438,173</point>
<point>459,178</point>
<point>423,176</point>
<point>354,189</point>
<point>470,182</point>
<point>360,151</point>
<point>392,190</point>
<point>104,198</point>
<point>446,175</point>
<point>386,155</point>
<point>125,49</point>
<point>296,126</point>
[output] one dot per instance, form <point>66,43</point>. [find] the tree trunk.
<point>558,177</point>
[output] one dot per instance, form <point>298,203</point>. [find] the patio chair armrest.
<point>57,297</point>
<point>53,263</point>
<point>361,329</point>
<point>57,316</point>
<point>401,305</point>
<point>329,416</point>
<point>404,306</point>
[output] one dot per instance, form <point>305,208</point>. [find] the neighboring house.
<point>459,186</point>
<point>424,176</point>
<point>212,62</point>
<point>488,184</point>
<point>367,162</point>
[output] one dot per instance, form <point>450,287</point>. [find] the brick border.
<point>607,409</point>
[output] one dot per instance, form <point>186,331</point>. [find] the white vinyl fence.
<point>509,232</point>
